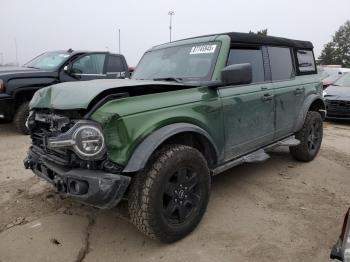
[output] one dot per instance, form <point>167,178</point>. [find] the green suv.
<point>193,109</point>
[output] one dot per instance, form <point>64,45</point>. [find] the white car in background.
<point>331,73</point>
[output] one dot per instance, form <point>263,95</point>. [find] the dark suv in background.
<point>18,84</point>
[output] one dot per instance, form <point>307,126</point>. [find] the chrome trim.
<point>77,74</point>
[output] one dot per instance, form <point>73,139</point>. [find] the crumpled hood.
<point>78,95</point>
<point>338,93</point>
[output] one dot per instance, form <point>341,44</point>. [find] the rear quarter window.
<point>305,61</point>
<point>115,64</point>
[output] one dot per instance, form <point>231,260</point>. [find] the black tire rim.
<point>181,196</point>
<point>314,137</point>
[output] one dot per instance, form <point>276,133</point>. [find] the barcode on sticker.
<point>202,49</point>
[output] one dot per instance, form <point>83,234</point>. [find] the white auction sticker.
<point>202,49</point>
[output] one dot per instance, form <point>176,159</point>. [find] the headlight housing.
<point>88,141</point>
<point>85,138</point>
<point>2,86</point>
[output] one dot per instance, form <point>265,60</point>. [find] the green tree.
<point>338,50</point>
<point>260,32</point>
<point>327,56</point>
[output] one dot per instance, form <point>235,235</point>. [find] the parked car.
<point>341,250</point>
<point>337,98</point>
<point>18,84</point>
<point>193,109</point>
<point>330,75</point>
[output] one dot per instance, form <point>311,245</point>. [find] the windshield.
<point>344,80</point>
<point>181,63</point>
<point>48,61</point>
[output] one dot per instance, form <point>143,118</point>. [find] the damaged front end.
<point>71,155</point>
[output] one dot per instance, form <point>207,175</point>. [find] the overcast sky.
<point>43,25</point>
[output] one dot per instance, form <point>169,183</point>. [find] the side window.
<point>306,61</point>
<point>115,64</point>
<point>281,63</point>
<point>89,64</point>
<point>252,56</point>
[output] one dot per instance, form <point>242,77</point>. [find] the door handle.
<point>299,91</point>
<point>267,97</point>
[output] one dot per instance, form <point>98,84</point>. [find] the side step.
<point>290,141</point>
<point>257,156</point>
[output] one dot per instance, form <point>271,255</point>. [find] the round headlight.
<point>89,141</point>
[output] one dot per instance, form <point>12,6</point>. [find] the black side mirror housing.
<point>237,74</point>
<point>68,70</point>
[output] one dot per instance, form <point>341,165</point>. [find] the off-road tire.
<point>146,195</point>
<point>20,118</point>
<point>302,152</point>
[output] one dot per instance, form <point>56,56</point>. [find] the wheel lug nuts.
<point>180,202</point>
<point>175,199</point>
<point>185,196</point>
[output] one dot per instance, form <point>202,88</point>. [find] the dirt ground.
<point>279,210</point>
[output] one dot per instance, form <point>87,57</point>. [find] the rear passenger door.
<point>248,109</point>
<point>88,67</point>
<point>289,93</point>
<point>116,67</point>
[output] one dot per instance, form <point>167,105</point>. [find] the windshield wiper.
<point>32,67</point>
<point>174,79</point>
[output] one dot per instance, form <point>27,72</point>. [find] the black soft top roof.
<point>250,38</point>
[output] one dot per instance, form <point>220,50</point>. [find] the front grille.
<point>338,106</point>
<point>39,140</point>
<point>45,125</point>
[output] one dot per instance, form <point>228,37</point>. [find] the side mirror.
<point>65,69</point>
<point>68,70</point>
<point>340,250</point>
<point>237,74</point>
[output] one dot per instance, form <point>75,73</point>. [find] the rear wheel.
<point>310,137</point>
<point>20,118</point>
<point>168,199</point>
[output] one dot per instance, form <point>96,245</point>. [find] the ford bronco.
<point>193,109</point>
<point>18,84</point>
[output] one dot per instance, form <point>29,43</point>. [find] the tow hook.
<point>28,163</point>
<point>59,184</point>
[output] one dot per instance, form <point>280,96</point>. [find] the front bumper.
<point>7,107</point>
<point>338,109</point>
<point>93,187</point>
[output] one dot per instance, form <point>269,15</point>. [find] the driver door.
<point>87,67</point>
<point>248,109</point>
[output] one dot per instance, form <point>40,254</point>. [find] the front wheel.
<point>310,137</point>
<point>168,199</point>
<point>20,118</point>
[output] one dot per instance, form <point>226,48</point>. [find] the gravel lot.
<point>279,210</point>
